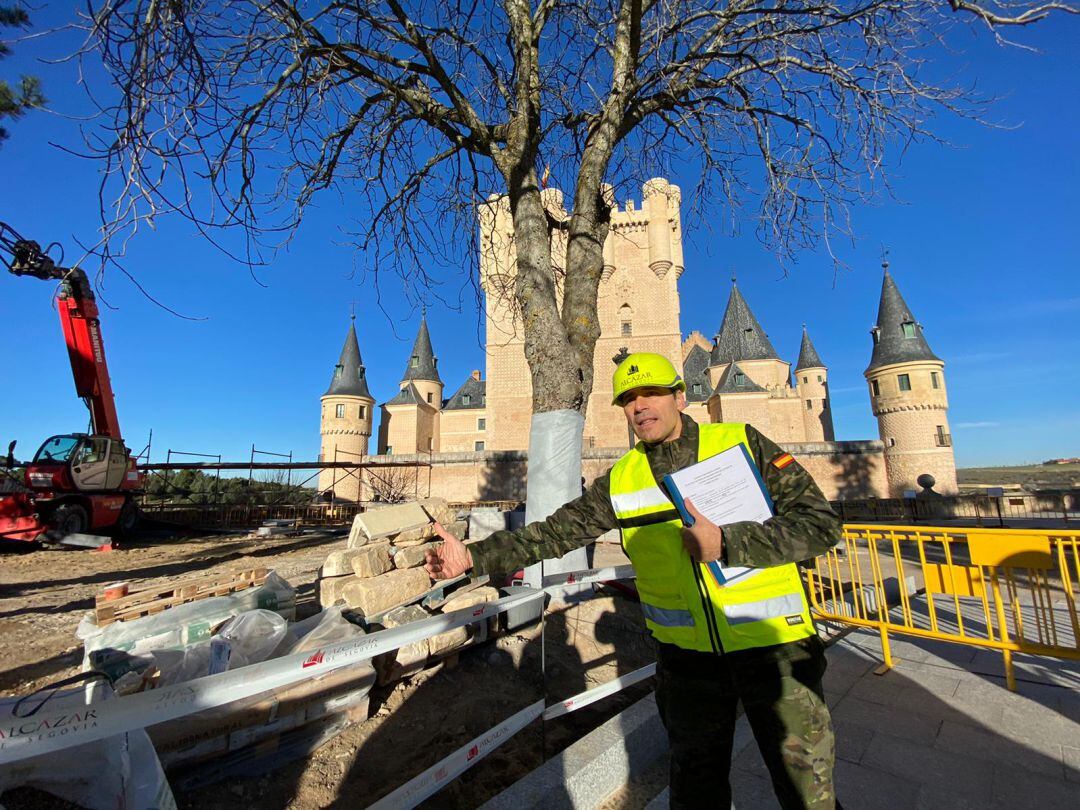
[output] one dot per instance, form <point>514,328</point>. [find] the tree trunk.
<point>554,362</point>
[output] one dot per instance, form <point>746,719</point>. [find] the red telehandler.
<point>76,482</point>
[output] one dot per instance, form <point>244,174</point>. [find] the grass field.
<point>1053,476</point>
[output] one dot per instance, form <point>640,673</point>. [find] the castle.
<point>737,377</point>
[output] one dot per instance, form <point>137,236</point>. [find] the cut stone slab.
<point>412,556</point>
<point>446,643</point>
<point>370,561</point>
<point>439,510</point>
<point>339,563</point>
<point>389,520</point>
<point>414,537</point>
<point>330,589</point>
<point>484,522</point>
<point>357,537</point>
<point>476,596</point>
<point>376,594</point>
<point>407,660</point>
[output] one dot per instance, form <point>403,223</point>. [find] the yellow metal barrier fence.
<point>1011,590</point>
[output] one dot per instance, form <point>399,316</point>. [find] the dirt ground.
<point>412,724</point>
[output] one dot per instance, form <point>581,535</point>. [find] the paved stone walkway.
<point>940,730</point>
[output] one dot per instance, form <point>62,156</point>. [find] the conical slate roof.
<point>741,336</point>
<point>422,362</point>
<point>696,372</point>
<point>808,356</point>
<point>731,383</point>
<point>892,344</point>
<point>349,377</point>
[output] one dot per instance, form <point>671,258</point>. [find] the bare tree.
<point>239,113</point>
<point>392,484</point>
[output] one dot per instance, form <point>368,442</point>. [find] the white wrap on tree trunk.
<point>554,477</point>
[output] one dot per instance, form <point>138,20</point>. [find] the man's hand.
<point>704,540</point>
<point>448,560</point>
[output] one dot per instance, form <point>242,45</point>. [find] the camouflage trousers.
<point>697,695</point>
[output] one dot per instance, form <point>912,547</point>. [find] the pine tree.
<point>14,101</point>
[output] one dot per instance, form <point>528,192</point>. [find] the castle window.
<point>942,439</point>
<point>626,318</point>
<point>697,388</point>
<point>875,333</point>
<point>875,388</point>
<point>430,443</point>
<point>389,450</point>
<point>466,399</point>
<point>429,396</point>
<point>909,329</point>
<point>414,361</point>
<point>819,378</point>
<point>935,379</point>
<point>892,442</point>
<point>363,411</point>
<point>809,404</point>
<point>478,446</point>
<point>740,378</point>
<point>905,381</point>
<point>481,424</point>
<point>804,380</point>
<point>340,411</point>
<point>824,404</point>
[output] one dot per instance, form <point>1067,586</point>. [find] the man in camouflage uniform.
<point>698,690</point>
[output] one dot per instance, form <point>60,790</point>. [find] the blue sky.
<point>983,243</point>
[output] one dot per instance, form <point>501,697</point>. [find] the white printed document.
<point>725,488</point>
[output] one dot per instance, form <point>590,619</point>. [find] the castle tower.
<point>741,339</point>
<point>637,306</point>
<point>750,382</point>
<point>812,384</point>
<point>345,419</point>
<point>907,395</point>
<point>410,421</point>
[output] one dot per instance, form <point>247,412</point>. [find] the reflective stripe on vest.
<point>681,601</point>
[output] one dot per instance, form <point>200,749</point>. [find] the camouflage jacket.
<point>804,525</point>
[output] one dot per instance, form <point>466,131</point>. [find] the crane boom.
<point>78,312</point>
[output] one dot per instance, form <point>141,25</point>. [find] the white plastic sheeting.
<point>554,478</point>
<point>117,773</point>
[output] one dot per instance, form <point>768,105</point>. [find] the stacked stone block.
<point>380,574</point>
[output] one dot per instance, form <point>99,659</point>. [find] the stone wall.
<point>841,469</point>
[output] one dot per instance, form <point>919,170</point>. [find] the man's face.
<point>653,413</point>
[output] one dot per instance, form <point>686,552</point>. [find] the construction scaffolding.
<point>210,500</point>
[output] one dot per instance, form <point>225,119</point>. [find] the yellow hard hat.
<point>644,369</point>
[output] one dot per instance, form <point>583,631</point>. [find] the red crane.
<point>76,481</point>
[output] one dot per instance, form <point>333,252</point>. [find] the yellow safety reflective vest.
<point>683,601</point>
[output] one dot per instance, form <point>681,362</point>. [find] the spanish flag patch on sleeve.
<point>782,460</point>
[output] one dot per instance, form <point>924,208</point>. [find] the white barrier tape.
<point>588,575</point>
<point>580,701</point>
<point>446,770</point>
<point>47,731</point>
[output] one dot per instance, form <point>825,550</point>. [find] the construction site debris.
<point>330,589</point>
<point>339,563</point>
<point>439,510</point>
<point>147,601</point>
<point>121,647</point>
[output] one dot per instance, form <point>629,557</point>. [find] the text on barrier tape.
<point>446,770</point>
<point>565,578</point>
<point>45,731</point>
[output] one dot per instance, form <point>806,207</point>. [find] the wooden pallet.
<point>155,599</point>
